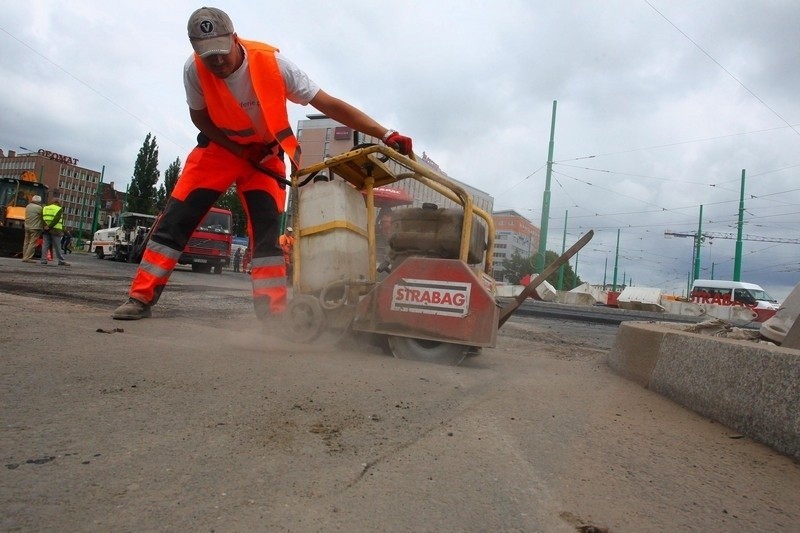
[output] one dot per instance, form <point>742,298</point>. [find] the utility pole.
<point>79,240</point>
<point>737,262</point>
<point>616,264</point>
<point>563,248</point>
<point>697,242</point>
<point>97,206</point>
<point>546,198</point>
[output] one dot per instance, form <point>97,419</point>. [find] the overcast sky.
<point>661,105</point>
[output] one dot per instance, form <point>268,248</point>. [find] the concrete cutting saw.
<point>422,282</point>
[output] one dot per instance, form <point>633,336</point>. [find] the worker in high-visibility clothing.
<point>286,242</point>
<point>53,217</point>
<point>237,92</point>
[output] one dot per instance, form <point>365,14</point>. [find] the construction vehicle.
<point>209,246</point>
<point>126,241</point>
<point>437,302</point>
<point>15,195</point>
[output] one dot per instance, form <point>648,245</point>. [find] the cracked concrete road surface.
<point>197,420</point>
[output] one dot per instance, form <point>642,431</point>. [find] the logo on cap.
<point>207,26</point>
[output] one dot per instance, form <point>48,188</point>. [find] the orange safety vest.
<point>270,90</point>
<point>286,243</point>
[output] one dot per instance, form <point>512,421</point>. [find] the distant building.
<point>112,203</point>
<point>513,233</point>
<point>322,137</point>
<point>78,185</point>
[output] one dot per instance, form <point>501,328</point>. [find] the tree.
<point>230,200</point>
<point>170,179</point>
<point>517,267</point>
<point>141,196</point>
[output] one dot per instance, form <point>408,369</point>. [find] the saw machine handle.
<point>509,309</point>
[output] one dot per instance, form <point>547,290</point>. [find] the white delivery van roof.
<point>724,284</point>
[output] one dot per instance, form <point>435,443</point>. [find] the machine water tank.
<point>333,234</point>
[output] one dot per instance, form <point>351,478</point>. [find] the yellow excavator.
<point>15,194</point>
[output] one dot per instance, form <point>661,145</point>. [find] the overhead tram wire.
<point>604,171</point>
<point>521,181</point>
<point>98,93</point>
<point>677,143</point>
<point>660,208</point>
<point>723,68</point>
<point>714,185</point>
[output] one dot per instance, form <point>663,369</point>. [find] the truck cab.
<point>209,247</point>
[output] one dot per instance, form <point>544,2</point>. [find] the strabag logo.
<point>432,297</point>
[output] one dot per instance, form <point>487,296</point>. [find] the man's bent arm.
<point>348,115</point>
<point>202,120</point>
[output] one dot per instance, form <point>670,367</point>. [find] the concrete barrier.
<point>576,298</point>
<point>751,387</point>
<point>545,291</point>
<point>640,299</point>
<point>598,293</point>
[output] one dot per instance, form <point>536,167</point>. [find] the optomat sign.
<point>431,297</point>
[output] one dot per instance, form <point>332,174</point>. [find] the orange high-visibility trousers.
<point>209,172</point>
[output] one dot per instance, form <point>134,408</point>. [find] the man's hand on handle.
<point>401,143</point>
<point>255,152</point>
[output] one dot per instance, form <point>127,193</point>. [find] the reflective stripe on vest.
<point>270,89</point>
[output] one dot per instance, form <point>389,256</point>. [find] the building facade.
<point>513,234</point>
<point>322,137</point>
<point>77,185</point>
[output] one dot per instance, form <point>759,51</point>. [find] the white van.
<point>721,292</point>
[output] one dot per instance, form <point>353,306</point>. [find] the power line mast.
<point>716,235</point>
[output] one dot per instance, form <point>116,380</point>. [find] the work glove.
<point>256,152</point>
<point>401,143</point>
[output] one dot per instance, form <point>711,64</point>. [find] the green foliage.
<point>230,200</point>
<point>171,176</point>
<point>517,267</point>
<point>141,196</point>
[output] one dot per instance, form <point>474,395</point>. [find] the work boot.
<point>64,264</point>
<point>132,310</point>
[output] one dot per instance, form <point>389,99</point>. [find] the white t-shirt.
<point>300,89</point>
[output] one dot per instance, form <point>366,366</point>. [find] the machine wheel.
<point>100,254</point>
<point>218,268</point>
<point>306,318</point>
<point>443,353</point>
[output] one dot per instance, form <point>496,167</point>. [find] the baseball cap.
<point>210,31</point>
<point>37,199</point>
<point>288,228</point>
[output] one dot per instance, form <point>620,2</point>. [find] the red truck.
<point>209,247</point>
